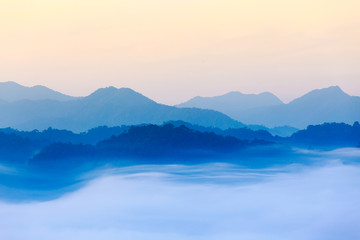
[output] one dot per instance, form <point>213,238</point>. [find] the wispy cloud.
<point>314,203</point>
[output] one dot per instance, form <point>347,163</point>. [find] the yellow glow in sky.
<point>171,50</point>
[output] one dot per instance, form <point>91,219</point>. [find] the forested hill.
<point>167,140</point>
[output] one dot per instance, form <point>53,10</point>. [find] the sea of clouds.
<point>215,201</point>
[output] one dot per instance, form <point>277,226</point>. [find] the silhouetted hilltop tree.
<point>16,149</point>
<point>150,141</point>
<point>98,134</point>
<point>328,134</point>
<point>153,140</point>
<point>240,133</point>
<point>52,135</point>
<point>246,133</point>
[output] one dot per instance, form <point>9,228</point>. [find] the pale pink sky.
<point>173,50</point>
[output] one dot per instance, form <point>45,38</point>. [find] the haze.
<point>313,203</point>
<point>170,50</point>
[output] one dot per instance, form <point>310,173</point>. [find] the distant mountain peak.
<point>11,92</point>
<point>330,90</point>
<point>11,83</point>
<point>236,93</point>
<point>329,94</point>
<point>114,91</point>
<point>334,87</point>
<point>266,94</point>
<point>233,103</point>
<point>119,94</point>
<point>105,90</point>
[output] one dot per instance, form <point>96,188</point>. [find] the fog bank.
<point>311,203</point>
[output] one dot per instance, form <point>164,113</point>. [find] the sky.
<point>173,50</point>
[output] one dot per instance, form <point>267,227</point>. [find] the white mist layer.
<point>316,203</point>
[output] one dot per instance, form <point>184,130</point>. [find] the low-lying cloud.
<point>314,203</point>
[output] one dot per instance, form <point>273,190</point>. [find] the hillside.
<point>107,106</point>
<point>316,107</point>
<point>12,92</point>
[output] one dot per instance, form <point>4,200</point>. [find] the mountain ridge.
<point>106,106</point>
<point>12,92</point>
<point>228,99</point>
<point>330,104</point>
<point>124,106</point>
<point>166,140</point>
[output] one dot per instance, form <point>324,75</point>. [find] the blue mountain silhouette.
<point>12,92</point>
<point>39,108</point>
<point>316,107</point>
<point>233,103</point>
<point>107,106</point>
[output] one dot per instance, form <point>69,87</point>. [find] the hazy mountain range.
<point>318,106</point>
<point>107,106</point>
<point>233,103</point>
<point>38,107</point>
<point>12,92</point>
